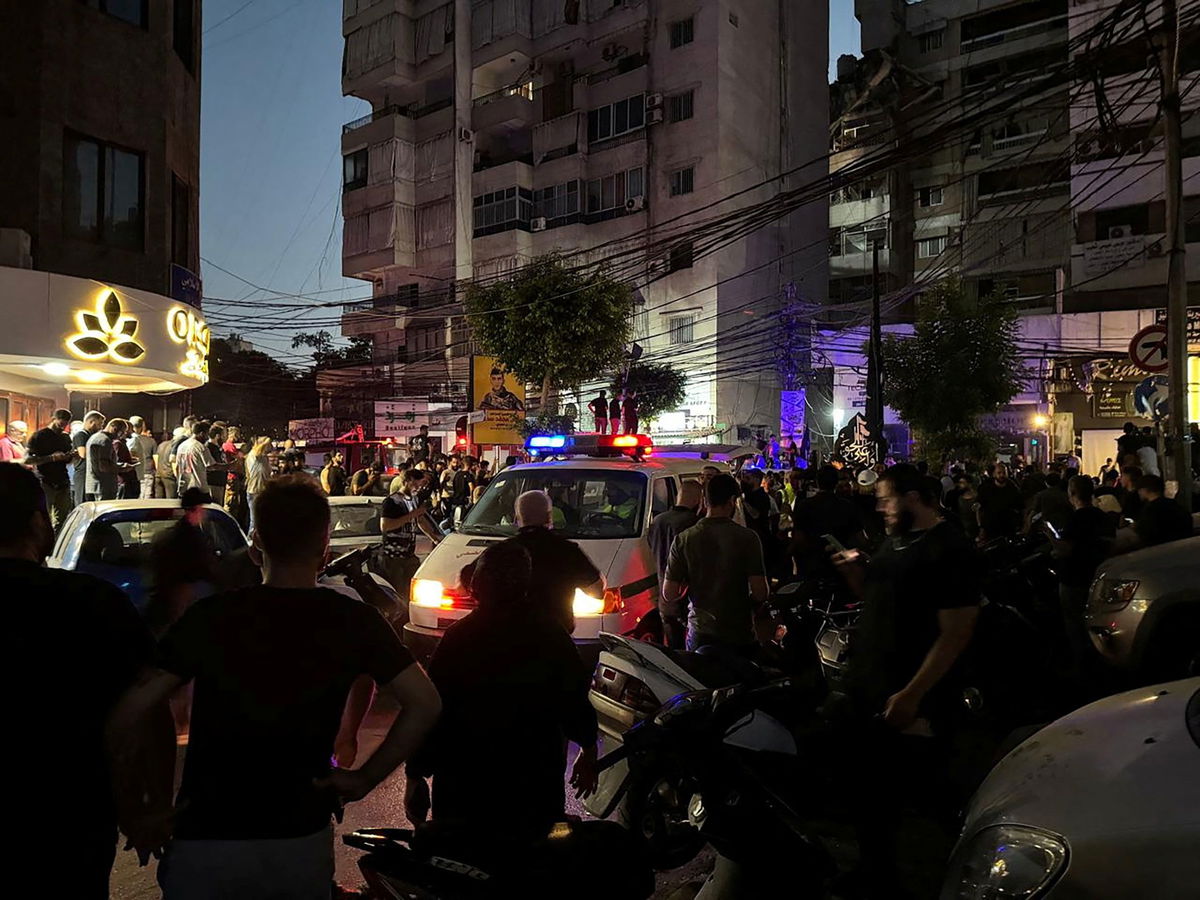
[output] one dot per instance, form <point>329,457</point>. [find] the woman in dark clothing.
<point>484,754</point>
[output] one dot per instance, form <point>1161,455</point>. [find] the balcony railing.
<point>410,110</point>
<point>524,90</point>
<point>1013,34</point>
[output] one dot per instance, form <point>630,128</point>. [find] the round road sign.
<point>1148,349</point>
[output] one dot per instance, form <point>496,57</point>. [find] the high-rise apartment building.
<point>501,130</point>
<point>99,208</point>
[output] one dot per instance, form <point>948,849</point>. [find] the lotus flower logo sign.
<point>106,333</point>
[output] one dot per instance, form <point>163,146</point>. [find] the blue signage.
<point>186,286</point>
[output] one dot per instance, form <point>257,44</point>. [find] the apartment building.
<point>100,112</point>
<point>501,130</point>
<point>1057,205</point>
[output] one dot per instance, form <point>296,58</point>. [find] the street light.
<point>1040,421</point>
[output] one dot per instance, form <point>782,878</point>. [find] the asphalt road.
<point>384,807</point>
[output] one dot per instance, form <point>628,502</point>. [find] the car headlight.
<point>683,705</point>
<point>1115,593</point>
<point>1006,862</point>
<point>586,604</point>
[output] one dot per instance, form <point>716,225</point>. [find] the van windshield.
<point>587,503</point>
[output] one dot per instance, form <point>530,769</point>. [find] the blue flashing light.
<point>1034,442</point>
<point>547,442</point>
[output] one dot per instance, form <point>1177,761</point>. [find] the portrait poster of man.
<point>501,396</point>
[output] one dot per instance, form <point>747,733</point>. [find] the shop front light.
<point>1006,862</point>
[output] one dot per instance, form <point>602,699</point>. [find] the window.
<point>845,241</point>
<point>928,248</point>
<point>585,497</point>
<point>1122,221</point>
<point>680,106</point>
<point>681,257</point>
<point>426,341</point>
<point>183,33</point>
<point>354,169</point>
<point>683,32</point>
<point>683,181</point>
<point>502,210</point>
<point>103,192</point>
<point>931,40</point>
<point>617,118</point>
<point>608,194</point>
<point>681,330</point>
<point>131,11</point>
<point>558,201</point>
<point>181,214</point>
<point>929,196</point>
<point>663,496</point>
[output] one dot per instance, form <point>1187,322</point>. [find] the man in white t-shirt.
<point>141,444</point>
<point>194,461</point>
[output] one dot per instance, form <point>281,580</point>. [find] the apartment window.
<point>683,181</point>
<point>843,242</point>
<point>558,201</point>
<point>680,257</point>
<point>426,341</point>
<point>931,40</point>
<point>617,118</point>
<point>681,330</point>
<point>608,195</point>
<point>928,248</point>
<point>103,192</point>
<point>683,32</point>
<point>181,216</point>
<point>930,196</point>
<point>502,210</point>
<point>681,106</point>
<point>183,33</point>
<point>131,11</point>
<point>354,169</point>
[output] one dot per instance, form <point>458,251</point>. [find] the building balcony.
<point>510,108</point>
<point>852,264</point>
<point>1016,36</point>
<point>378,238</point>
<point>561,136</point>
<point>856,212</point>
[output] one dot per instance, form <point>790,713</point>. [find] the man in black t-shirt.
<point>104,647</point>
<point>1160,519</point>
<point>559,566</point>
<point>1083,542</point>
<point>599,410</point>
<point>92,423</point>
<point>823,513</point>
<point>49,450</point>
<point>614,414</point>
<point>418,445</point>
<point>272,667</point>
<point>1001,505</point>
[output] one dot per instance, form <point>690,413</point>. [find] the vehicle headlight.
<point>684,704</point>
<point>1115,593</point>
<point>586,604</point>
<point>1006,862</point>
<point>428,592</point>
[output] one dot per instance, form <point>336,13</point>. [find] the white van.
<point>604,504</point>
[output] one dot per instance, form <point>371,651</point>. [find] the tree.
<point>961,361</point>
<point>660,388</point>
<point>552,325</point>
<point>326,353</point>
<point>250,389</point>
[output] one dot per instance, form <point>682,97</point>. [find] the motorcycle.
<point>447,862</point>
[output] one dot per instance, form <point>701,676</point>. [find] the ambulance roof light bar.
<point>635,445</point>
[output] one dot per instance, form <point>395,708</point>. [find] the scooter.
<point>440,862</point>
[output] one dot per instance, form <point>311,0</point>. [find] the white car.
<point>604,501</point>
<point>111,539</point>
<point>1102,804</point>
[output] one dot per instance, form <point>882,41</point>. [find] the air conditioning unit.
<point>654,101</point>
<point>654,116</point>
<point>537,223</point>
<point>466,135</point>
<point>1120,231</point>
<point>633,204</point>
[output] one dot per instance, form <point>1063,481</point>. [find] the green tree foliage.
<point>552,325</point>
<point>252,390</point>
<point>660,388</point>
<point>547,424</point>
<point>961,361</point>
<point>326,353</point>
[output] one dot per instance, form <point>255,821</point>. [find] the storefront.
<point>66,335</point>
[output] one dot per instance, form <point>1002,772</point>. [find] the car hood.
<point>458,549</point>
<point>1176,556</point>
<point>1125,763</point>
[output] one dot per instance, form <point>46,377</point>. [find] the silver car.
<point>1143,612</point>
<point>1102,804</point>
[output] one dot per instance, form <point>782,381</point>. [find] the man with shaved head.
<point>666,525</point>
<point>559,566</point>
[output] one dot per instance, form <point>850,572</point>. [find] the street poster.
<point>311,430</point>
<point>855,444</point>
<point>500,395</point>
<point>400,418</point>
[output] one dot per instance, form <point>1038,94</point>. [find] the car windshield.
<point>123,538</point>
<point>354,519</point>
<point>588,503</point>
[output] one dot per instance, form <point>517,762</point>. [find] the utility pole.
<point>1177,346</point>
<point>875,363</point>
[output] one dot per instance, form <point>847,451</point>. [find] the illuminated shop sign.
<point>185,327</point>
<point>106,333</point>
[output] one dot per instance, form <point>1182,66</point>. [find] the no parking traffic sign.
<point>1148,349</point>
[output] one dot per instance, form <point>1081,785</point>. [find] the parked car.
<point>1143,612</point>
<point>1104,804</point>
<point>111,539</point>
<point>354,523</point>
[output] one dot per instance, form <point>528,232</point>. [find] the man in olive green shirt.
<point>719,565</point>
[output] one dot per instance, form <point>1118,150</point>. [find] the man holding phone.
<point>401,516</point>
